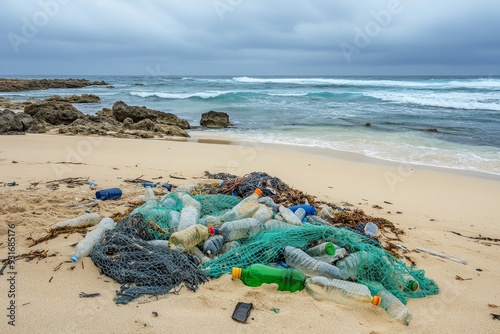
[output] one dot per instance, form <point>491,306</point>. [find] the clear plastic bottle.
<point>244,209</point>
<point>339,291</point>
<point>190,212</point>
<point>263,213</point>
<point>300,213</point>
<point>230,245</point>
<point>85,219</point>
<point>273,223</point>
<point>174,217</point>
<point>340,253</point>
<point>394,307</point>
<point>268,201</point>
<point>325,248</point>
<point>84,247</point>
<point>289,216</point>
<point>238,229</point>
<point>350,264</point>
<point>410,282</point>
<point>188,238</point>
<point>257,274</point>
<point>371,230</point>
<point>213,245</point>
<point>195,251</point>
<point>300,260</point>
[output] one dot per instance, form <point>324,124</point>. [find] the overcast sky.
<point>250,37</point>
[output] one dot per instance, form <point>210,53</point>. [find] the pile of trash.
<point>205,231</point>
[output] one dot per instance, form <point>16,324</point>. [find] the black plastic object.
<point>242,311</point>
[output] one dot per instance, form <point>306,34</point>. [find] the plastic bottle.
<point>196,252</point>
<point>257,274</point>
<point>213,245</point>
<point>299,260</point>
<point>394,307</point>
<point>190,212</point>
<point>300,213</point>
<point>371,230</point>
<point>169,202</point>
<point>325,248</point>
<point>273,223</point>
<point>263,213</point>
<point>268,201</point>
<point>309,209</point>
<point>174,216</point>
<point>244,209</point>
<point>110,193</point>
<point>350,264</point>
<point>340,253</point>
<point>339,291</point>
<point>317,220</point>
<point>230,245</point>
<point>289,216</point>
<point>148,185</point>
<point>85,219</point>
<point>84,247</point>
<point>410,282</point>
<point>188,238</point>
<point>158,243</point>
<point>238,229</point>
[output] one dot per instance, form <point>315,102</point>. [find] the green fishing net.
<point>216,204</point>
<point>381,270</point>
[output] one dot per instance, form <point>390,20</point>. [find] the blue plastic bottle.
<point>110,193</point>
<point>309,209</point>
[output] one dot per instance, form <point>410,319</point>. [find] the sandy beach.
<point>433,203</point>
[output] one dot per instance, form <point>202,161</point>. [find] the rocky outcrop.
<point>17,85</point>
<point>53,112</point>
<point>215,120</point>
<point>10,123</point>
<point>26,119</point>
<point>84,98</point>
<point>121,111</point>
<point>14,105</point>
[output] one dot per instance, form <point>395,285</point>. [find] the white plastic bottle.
<point>263,213</point>
<point>238,229</point>
<point>339,291</point>
<point>300,260</point>
<point>174,217</point>
<point>394,307</point>
<point>325,248</point>
<point>190,212</point>
<point>244,209</point>
<point>273,223</point>
<point>289,216</point>
<point>188,238</point>
<point>300,213</point>
<point>85,219</point>
<point>350,264</point>
<point>84,247</point>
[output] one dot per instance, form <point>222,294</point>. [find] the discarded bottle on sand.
<point>309,209</point>
<point>300,213</point>
<point>213,245</point>
<point>238,229</point>
<point>371,230</point>
<point>325,248</point>
<point>257,274</point>
<point>289,216</point>
<point>190,212</point>
<point>85,219</point>
<point>84,247</point>
<point>300,260</point>
<point>339,291</point>
<point>244,209</point>
<point>110,193</point>
<point>394,307</point>
<point>273,223</point>
<point>188,238</point>
<point>350,264</point>
<point>263,213</point>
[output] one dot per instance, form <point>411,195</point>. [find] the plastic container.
<point>350,264</point>
<point>371,230</point>
<point>289,216</point>
<point>167,185</point>
<point>148,185</point>
<point>268,201</point>
<point>263,213</point>
<point>325,248</point>
<point>340,253</point>
<point>339,291</point>
<point>213,245</point>
<point>110,193</point>
<point>309,209</point>
<point>300,260</point>
<point>196,252</point>
<point>238,229</point>
<point>273,223</point>
<point>84,247</point>
<point>394,307</point>
<point>300,213</point>
<point>244,209</point>
<point>188,238</point>
<point>257,274</point>
<point>174,217</point>
<point>410,282</point>
<point>230,245</point>
<point>190,212</point>
<point>85,219</point>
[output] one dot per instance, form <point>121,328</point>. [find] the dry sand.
<point>433,202</point>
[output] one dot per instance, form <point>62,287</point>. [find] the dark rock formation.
<point>84,98</point>
<point>122,111</point>
<point>10,123</point>
<point>215,120</point>
<point>53,112</point>
<point>145,124</point>
<point>17,85</point>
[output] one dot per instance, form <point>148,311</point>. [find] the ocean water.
<point>451,122</point>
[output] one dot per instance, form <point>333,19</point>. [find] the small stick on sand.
<point>444,256</point>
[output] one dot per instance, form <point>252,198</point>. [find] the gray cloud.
<point>249,37</point>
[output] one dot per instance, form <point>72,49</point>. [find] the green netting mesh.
<point>268,246</point>
<point>215,204</point>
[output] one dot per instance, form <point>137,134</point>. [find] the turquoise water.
<point>451,122</point>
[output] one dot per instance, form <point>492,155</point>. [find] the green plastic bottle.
<point>257,274</point>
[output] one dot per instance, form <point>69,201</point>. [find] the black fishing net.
<point>142,268</point>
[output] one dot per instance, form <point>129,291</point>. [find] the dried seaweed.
<point>37,254</point>
<point>53,233</point>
